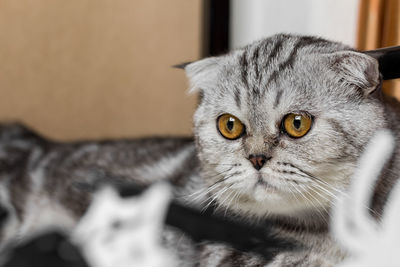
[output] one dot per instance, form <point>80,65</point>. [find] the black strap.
<point>389,61</point>
<point>209,226</point>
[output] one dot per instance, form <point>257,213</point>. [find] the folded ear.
<point>357,69</point>
<point>202,74</point>
<point>182,65</point>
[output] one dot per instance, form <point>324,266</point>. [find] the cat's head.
<point>282,122</point>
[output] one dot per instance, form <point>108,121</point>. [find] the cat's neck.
<point>307,221</point>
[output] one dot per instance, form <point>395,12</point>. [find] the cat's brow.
<point>237,97</point>
<point>278,98</point>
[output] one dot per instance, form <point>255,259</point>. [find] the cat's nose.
<point>258,161</point>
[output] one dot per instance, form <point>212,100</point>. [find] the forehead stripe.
<point>243,67</point>
<point>288,63</point>
<point>278,98</point>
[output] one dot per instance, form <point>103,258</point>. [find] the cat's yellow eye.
<point>229,126</point>
<point>297,125</point>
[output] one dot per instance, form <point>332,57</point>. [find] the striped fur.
<point>259,84</point>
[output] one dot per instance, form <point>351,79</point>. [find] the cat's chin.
<point>269,201</point>
<point>279,209</point>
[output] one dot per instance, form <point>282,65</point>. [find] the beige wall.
<point>98,68</point>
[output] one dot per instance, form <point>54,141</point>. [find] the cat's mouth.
<point>266,185</point>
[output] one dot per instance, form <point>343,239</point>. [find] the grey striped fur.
<point>260,84</point>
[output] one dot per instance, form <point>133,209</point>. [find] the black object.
<point>48,250</point>
<point>215,27</point>
<point>209,226</point>
<point>389,61</point>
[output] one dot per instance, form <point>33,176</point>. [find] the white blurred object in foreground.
<point>369,243</point>
<point>125,232</point>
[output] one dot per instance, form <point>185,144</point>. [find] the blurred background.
<point>94,69</point>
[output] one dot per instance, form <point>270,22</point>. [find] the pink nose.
<point>258,161</point>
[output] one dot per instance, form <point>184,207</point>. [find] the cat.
<point>278,131</point>
<point>131,227</point>
<point>369,242</point>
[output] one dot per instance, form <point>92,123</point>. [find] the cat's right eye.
<point>230,127</point>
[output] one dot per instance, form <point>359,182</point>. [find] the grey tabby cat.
<point>278,132</point>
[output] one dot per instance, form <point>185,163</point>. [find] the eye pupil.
<point>297,122</point>
<point>230,123</point>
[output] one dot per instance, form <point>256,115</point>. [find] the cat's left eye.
<point>296,125</point>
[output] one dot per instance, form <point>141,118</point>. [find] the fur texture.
<point>259,84</point>
<point>262,83</point>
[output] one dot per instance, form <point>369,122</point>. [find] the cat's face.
<point>283,121</point>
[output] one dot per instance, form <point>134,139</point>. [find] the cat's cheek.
<point>283,144</point>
